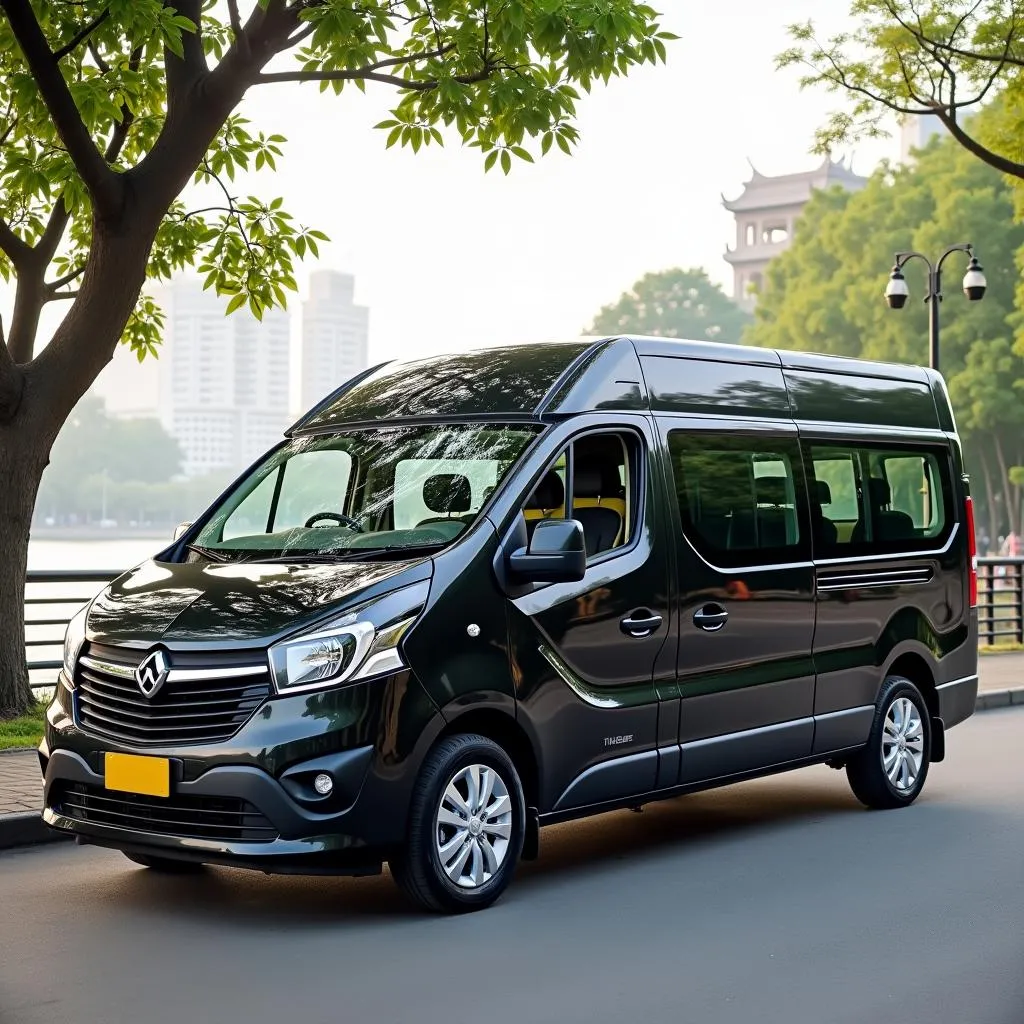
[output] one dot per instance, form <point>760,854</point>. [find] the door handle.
<point>710,618</point>
<point>640,624</point>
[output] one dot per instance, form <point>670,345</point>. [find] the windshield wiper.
<point>348,554</point>
<point>213,556</point>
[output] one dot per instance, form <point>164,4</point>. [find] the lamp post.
<point>897,292</point>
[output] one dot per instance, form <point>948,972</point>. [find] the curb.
<point>26,829</point>
<point>991,699</point>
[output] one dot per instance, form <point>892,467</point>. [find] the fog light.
<point>323,784</point>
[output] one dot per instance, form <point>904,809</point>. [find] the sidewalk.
<point>21,793</point>
<point>1001,684</point>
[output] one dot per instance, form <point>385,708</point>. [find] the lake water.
<point>114,554</point>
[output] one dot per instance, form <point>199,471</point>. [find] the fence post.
<point>1018,610</point>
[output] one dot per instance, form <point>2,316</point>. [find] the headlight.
<point>361,644</point>
<point>74,637</point>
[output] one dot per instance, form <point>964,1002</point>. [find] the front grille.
<point>187,817</point>
<point>202,701</point>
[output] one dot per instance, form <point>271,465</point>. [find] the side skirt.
<point>637,799</point>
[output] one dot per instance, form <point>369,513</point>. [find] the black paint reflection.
<point>233,602</point>
<point>500,380</point>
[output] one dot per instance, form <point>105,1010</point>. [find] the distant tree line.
<point>106,469</point>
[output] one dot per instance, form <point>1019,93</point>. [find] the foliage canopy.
<point>674,304</point>
<point>914,57</point>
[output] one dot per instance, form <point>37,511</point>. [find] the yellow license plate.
<point>129,773</point>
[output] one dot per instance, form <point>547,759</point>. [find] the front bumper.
<point>293,838</point>
<point>249,802</point>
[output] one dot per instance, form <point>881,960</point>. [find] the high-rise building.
<point>334,335</point>
<point>766,212</point>
<point>223,379</point>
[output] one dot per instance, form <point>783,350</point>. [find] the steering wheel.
<point>335,517</point>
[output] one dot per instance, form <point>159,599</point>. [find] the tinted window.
<point>740,498</point>
<point>706,386</point>
<point>870,499</point>
<point>844,398</point>
<point>603,496</point>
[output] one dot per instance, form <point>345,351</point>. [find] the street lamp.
<point>897,292</point>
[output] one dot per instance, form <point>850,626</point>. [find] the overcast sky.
<point>448,257</point>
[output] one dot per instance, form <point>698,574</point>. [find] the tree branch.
<point>12,385</point>
<point>185,71</point>
<point>76,40</point>
<point>303,33</point>
<point>98,57</point>
<point>66,279</point>
<point>29,299</point>
<point>102,183</point>
<point>12,246</point>
<point>1000,163</point>
<point>236,21</point>
<point>933,45</point>
<point>371,72</point>
<point>62,296</point>
<point>120,133</point>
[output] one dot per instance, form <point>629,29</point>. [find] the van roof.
<point>542,380</point>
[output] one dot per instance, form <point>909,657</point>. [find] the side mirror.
<point>556,554</point>
<point>180,530</point>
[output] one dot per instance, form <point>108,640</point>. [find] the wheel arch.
<point>498,723</point>
<point>919,667</point>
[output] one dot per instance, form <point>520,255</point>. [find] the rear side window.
<point>741,499</point>
<point>868,499</point>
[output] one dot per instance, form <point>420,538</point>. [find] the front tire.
<point>466,826</point>
<point>891,770</point>
<point>164,865</point>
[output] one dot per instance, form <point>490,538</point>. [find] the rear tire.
<point>891,770</point>
<point>467,822</point>
<point>164,865</point>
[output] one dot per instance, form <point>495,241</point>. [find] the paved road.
<point>774,902</point>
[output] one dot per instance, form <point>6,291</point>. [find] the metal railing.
<point>1000,601</point>
<point>52,596</point>
<point>56,594</point>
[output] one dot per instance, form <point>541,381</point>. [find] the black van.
<point>476,594</point>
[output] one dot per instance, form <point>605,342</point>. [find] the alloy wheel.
<point>473,826</point>
<point>902,744</point>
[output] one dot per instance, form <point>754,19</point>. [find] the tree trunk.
<point>1011,494</point>
<point>990,502</point>
<point>21,466</point>
<point>53,383</point>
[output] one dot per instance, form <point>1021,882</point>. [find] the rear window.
<point>873,499</point>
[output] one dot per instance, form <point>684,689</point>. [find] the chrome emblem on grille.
<point>152,673</point>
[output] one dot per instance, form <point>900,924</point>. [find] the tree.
<point>825,294</point>
<point>914,57</point>
<point>109,108</point>
<point>674,304</point>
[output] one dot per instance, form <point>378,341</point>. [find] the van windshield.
<point>374,490</point>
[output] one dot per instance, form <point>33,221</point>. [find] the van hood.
<point>236,604</point>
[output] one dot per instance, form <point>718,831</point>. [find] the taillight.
<point>972,551</point>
